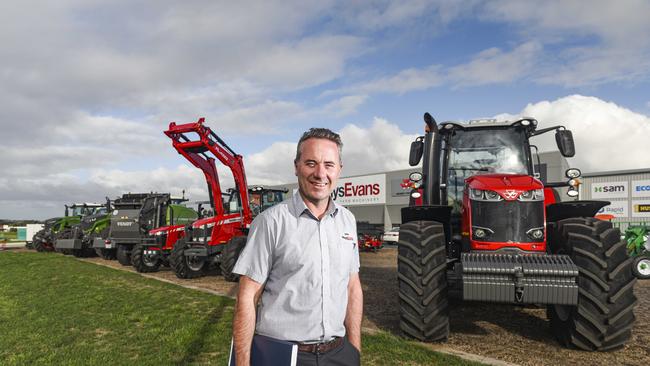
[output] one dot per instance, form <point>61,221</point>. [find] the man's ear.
<point>295,168</point>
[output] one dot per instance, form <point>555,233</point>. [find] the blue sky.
<point>89,86</point>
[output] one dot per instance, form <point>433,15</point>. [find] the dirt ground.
<point>508,333</point>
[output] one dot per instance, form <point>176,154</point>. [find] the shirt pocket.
<point>341,257</point>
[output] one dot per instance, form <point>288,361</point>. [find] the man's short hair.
<point>320,133</point>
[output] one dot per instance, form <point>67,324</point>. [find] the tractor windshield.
<point>478,151</point>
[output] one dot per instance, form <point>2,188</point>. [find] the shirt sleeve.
<point>255,259</point>
<point>354,263</point>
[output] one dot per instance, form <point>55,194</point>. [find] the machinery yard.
<point>503,332</point>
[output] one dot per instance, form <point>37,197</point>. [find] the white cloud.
<point>344,106</point>
<point>381,147</point>
<point>607,136</point>
<point>584,45</point>
<point>408,80</point>
<point>493,66</point>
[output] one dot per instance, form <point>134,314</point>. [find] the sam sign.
<point>609,190</point>
<point>364,190</point>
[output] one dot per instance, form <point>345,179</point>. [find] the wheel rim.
<point>194,263</point>
<point>150,260</point>
<point>643,267</point>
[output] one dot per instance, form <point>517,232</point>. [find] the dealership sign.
<point>640,208</point>
<point>616,209</point>
<point>609,190</point>
<point>364,190</point>
<point>641,188</point>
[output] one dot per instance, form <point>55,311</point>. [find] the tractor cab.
<point>262,198</point>
<point>487,180</point>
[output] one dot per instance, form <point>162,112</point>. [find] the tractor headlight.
<point>481,195</point>
<point>532,195</point>
<point>492,196</point>
<point>572,173</point>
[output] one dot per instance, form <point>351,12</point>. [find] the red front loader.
<point>483,227</point>
<point>216,239</point>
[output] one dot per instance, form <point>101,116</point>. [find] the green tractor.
<point>58,227</point>
<point>93,225</point>
<point>638,247</point>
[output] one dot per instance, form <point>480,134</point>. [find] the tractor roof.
<point>483,123</point>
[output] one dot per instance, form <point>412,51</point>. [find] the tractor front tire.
<point>123,255</point>
<point>422,280</point>
<point>641,267</point>
<point>142,262</point>
<point>229,257</point>
<point>185,267</point>
<point>603,318</point>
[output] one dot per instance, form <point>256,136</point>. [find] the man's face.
<point>318,169</point>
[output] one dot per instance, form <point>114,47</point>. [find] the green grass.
<point>58,310</point>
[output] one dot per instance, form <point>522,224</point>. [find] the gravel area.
<point>503,332</point>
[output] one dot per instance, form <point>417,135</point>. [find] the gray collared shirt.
<point>305,266</point>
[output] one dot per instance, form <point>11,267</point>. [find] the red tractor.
<point>485,228</point>
<point>217,239</point>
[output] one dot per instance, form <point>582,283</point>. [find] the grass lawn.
<point>58,310</point>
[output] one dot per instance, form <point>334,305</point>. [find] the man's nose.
<point>320,171</point>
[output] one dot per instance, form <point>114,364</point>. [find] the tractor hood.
<point>506,185</point>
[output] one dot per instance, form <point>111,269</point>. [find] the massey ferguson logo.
<point>124,223</point>
<point>510,194</point>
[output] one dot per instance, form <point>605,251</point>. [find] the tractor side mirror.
<point>417,148</point>
<point>564,139</point>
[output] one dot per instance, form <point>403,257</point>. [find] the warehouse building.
<point>627,190</point>
<point>378,198</point>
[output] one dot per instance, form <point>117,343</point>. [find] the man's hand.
<point>243,326</point>
<point>354,312</point>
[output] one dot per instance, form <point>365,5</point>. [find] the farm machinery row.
<point>149,230</point>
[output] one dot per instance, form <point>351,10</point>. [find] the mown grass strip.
<point>58,310</point>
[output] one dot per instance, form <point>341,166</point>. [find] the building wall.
<point>628,191</point>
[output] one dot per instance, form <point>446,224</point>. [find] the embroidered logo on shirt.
<point>347,236</point>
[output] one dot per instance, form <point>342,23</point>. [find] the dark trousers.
<point>345,355</point>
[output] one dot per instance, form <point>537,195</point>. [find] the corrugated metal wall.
<point>625,205</point>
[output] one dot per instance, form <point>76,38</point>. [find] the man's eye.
<point>311,164</point>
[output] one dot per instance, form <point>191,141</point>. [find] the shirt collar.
<point>300,207</point>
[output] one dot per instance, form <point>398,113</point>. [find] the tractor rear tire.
<point>229,257</point>
<point>641,267</point>
<point>185,267</point>
<point>141,262</point>
<point>603,318</point>
<point>422,280</point>
<point>123,255</point>
<point>108,254</point>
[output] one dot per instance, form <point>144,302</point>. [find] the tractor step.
<point>519,278</point>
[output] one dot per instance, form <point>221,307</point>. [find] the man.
<point>302,259</point>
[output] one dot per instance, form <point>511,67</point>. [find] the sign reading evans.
<point>616,208</point>
<point>364,190</point>
<point>640,188</point>
<point>609,190</point>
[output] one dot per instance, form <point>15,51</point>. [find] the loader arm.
<point>198,144</point>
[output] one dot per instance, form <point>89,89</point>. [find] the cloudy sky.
<point>88,86</point>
